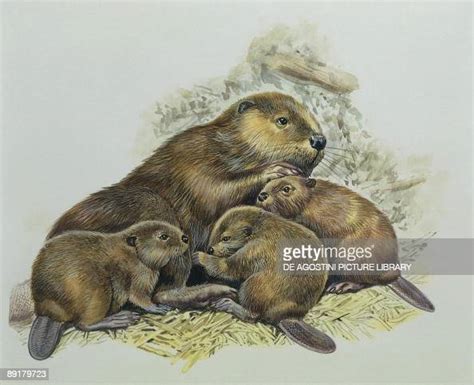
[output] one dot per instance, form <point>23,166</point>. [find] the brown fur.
<point>341,217</point>
<point>81,277</point>
<point>200,173</point>
<point>117,208</point>
<point>197,175</point>
<point>338,216</point>
<point>268,293</point>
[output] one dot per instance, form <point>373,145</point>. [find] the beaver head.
<point>231,240</point>
<point>266,128</point>
<point>286,196</point>
<point>156,242</point>
<point>234,230</point>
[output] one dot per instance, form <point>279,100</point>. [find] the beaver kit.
<point>266,294</point>
<point>84,278</point>
<point>343,217</point>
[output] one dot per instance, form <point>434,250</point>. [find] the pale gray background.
<point>77,77</point>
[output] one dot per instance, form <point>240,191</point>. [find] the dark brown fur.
<point>81,277</point>
<point>340,217</point>
<point>267,293</point>
<point>84,278</point>
<point>116,208</point>
<point>205,170</point>
<point>200,173</point>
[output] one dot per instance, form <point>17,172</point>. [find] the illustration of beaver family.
<point>342,218</point>
<point>260,138</point>
<point>190,182</point>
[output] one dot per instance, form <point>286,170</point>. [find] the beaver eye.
<point>282,121</point>
<point>164,237</point>
<point>225,239</point>
<point>132,240</point>
<point>286,189</point>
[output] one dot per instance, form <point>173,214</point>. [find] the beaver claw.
<point>215,293</point>
<point>344,287</point>
<point>224,291</point>
<point>160,309</point>
<point>120,320</point>
<point>196,258</point>
<point>223,304</point>
<point>280,170</point>
<point>229,306</point>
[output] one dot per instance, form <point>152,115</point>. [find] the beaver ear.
<point>310,182</point>
<point>132,240</point>
<point>245,105</point>
<point>248,231</point>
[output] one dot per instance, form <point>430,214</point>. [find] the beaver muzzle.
<point>318,142</point>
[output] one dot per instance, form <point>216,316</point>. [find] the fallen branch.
<point>404,184</point>
<point>302,71</point>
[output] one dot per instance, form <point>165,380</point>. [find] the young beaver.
<point>84,278</point>
<point>343,218</point>
<point>266,293</point>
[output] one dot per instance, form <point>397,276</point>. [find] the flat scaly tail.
<point>411,294</point>
<point>307,336</point>
<point>44,336</point>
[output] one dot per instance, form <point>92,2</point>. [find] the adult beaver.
<point>206,170</point>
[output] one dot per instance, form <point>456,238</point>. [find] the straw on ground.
<point>187,337</point>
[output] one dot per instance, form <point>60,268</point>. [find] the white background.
<point>77,77</point>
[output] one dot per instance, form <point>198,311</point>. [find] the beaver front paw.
<point>344,287</point>
<point>223,304</point>
<point>280,170</point>
<point>199,258</point>
<point>217,291</point>
<point>158,309</point>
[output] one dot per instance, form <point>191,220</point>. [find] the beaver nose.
<point>210,250</point>
<point>262,196</point>
<point>185,238</point>
<point>318,142</point>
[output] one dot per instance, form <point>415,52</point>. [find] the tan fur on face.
<point>239,235</point>
<point>288,204</point>
<point>237,217</point>
<point>266,140</point>
<point>153,251</point>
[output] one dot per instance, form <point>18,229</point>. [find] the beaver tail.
<point>410,293</point>
<point>307,336</point>
<point>44,336</point>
